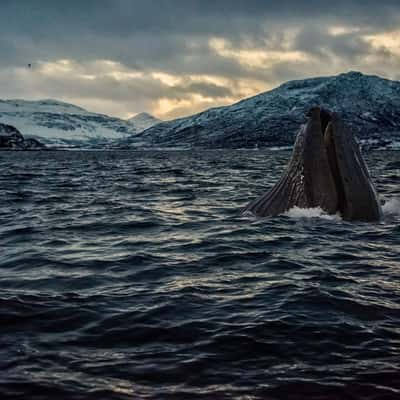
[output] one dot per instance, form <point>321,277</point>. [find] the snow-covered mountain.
<point>369,104</point>
<point>57,123</point>
<point>143,121</point>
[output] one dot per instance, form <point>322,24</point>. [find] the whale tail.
<point>326,170</point>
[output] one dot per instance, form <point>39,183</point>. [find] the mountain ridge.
<point>57,123</point>
<point>143,121</point>
<point>368,103</point>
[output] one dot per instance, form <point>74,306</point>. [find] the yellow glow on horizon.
<point>388,40</point>
<point>255,57</point>
<point>167,79</point>
<point>342,30</point>
<point>57,67</point>
<point>185,100</point>
<point>164,106</point>
<point>167,108</point>
<point>89,71</point>
<point>88,77</point>
<point>176,80</point>
<point>125,75</point>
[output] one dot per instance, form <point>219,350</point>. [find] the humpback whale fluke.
<point>326,170</point>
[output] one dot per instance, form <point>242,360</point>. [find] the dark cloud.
<point>174,37</point>
<point>148,31</point>
<point>318,41</point>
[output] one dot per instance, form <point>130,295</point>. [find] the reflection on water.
<point>134,275</point>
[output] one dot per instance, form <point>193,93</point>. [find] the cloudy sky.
<point>176,57</point>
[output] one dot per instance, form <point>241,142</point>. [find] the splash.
<point>317,212</point>
<point>391,207</point>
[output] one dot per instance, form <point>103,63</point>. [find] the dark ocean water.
<point>128,275</point>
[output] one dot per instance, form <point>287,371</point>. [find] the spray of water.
<point>316,212</point>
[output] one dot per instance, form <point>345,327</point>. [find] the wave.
<point>143,271</point>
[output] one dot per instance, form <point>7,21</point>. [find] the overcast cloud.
<point>173,58</point>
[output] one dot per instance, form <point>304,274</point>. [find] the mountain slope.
<point>369,104</point>
<point>55,122</point>
<point>143,121</point>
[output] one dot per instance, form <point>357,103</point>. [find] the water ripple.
<point>133,275</point>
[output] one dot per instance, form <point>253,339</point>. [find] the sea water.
<point>129,275</point>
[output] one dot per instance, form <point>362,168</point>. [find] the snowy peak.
<point>58,123</point>
<point>143,121</point>
<point>48,105</point>
<point>338,92</point>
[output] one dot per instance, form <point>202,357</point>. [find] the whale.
<point>326,170</point>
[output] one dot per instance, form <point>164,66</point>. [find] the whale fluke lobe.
<point>326,170</point>
<point>360,199</point>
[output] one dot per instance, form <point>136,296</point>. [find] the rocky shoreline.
<point>12,139</point>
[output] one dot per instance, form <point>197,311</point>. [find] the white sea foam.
<point>391,207</point>
<point>317,212</point>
